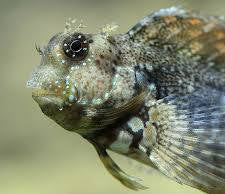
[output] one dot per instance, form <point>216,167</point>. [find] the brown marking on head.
<point>196,47</point>
<point>169,19</point>
<point>97,61</point>
<point>220,34</point>
<point>194,21</point>
<point>220,47</point>
<point>192,33</point>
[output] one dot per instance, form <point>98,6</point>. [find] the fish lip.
<point>45,97</point>
<point>48,100</point>
<point>42,92</point>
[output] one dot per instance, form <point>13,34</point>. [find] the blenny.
<point>155,94</point>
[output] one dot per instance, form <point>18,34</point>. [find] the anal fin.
<point>127,180</point>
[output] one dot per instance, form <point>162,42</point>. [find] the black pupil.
<point>76,46</point>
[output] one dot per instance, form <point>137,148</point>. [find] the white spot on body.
<point>97,101</point>
<point>73,90</point>
<point>106,95</point>
<point>122,143</point>
<point>180,81</point>
<point>83,101</point>
<point>71,98</point>
<point>190,88</point>
<point>135,124</point>
<point>131,33</point>
<point>152,87</point>
<point>170,11</point>
<point>142,148</point>
<point>144,21</point>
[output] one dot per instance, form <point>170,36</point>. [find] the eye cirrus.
<point>76,46</point>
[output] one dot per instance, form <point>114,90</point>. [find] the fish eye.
<point>76,46</point>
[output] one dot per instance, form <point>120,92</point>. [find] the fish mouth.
<point>45,97</point>
<point>42,92</point>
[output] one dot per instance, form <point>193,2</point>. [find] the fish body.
<point>155,94</point>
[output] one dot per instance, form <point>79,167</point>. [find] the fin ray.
<point>186,33</point>
<point>190,142</point>
<point>127,180</point>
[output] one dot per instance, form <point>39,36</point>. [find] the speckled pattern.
<point>154,94</point>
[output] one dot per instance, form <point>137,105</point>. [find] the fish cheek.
<point>93,83</point>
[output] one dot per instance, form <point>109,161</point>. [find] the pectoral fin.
<point>127,180</point>
<point>189,145</point>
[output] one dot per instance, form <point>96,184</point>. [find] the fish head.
<point>75,78</point>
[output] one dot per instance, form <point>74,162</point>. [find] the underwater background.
<point>36,155</point>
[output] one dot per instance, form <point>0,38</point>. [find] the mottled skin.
<point>154,94</point>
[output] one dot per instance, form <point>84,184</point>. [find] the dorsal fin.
<point>185,33</point>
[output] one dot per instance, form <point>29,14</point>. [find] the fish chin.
<point>67,116</point>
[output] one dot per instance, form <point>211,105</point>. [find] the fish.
<point>155,94</point>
